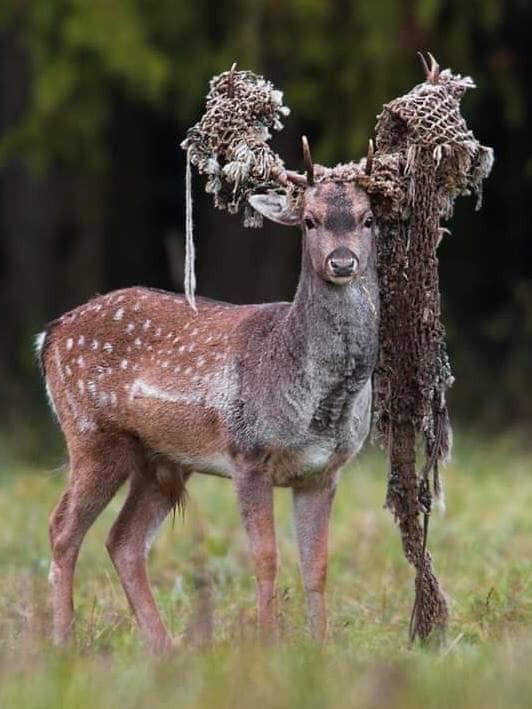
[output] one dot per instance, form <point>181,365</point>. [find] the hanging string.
<point>190,253</point>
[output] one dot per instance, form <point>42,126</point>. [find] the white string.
<point>190,253</point>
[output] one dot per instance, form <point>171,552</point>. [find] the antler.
<point>432,73</point>
<point>231,81</point>
<point>309,167</point>
<point>369,158</point>
<point>285,176</point>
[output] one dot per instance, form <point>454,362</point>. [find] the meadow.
<point>199,565</point>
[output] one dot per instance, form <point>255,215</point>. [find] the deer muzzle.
<point>342,265</point>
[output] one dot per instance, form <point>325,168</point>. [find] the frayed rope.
<point>190,252</point>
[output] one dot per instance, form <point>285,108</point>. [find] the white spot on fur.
<point>119,314</point>
<point>164,365</point>
<point>123,364</point>
<point>130,327</point>
<point>114,399</point>
<point>91,386</point>
<point>108,347</point>
<point>81,386</point>
<point>138,341</point>
<point>81,362</point>
<point>95,344</point>
<point>136,307</point>
<point>69,343</point>
<point>81,340</point>
<point>147,324</point>
<point>68,370</point>
<point>85,424</point>
<point>141,389</point>
<point>200,362</point>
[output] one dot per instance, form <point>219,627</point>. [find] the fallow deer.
<point>146,388</point>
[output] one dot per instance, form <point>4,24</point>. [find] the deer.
<point>147,389</point>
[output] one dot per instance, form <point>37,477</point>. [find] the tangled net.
<point>425,157</point>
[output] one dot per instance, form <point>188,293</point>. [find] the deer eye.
<point>309,223</point>
<point>368,222</point>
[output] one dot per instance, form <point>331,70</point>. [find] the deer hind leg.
<point>255,499</point>
<point>99,466</point>
<point>149,501</point>
<point>312,508</point>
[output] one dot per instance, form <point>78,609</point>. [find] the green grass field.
<point>483,554</point>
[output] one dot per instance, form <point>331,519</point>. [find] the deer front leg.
<point>312,508</point>
<point>255,498</point>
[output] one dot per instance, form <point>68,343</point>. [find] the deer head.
<point>334,215</point>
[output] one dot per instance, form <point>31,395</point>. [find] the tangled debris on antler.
<point>230,143</point>
<point>423,158</point>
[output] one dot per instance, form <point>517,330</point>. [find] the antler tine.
<point>285,176</point>
<point>369,157</point>
<point>434,70</point>
<point>309,167</point>
<point>432,73</point>
<point>424,64</point>
<point>296,178</point>
<point>231,81</point>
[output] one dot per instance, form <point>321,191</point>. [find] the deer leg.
<point>255,498</point>
<point>312,508</point>
<point>98,469</point>
<point>129,543</point>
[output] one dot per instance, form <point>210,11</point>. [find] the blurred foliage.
<point>337,61</point>
<point>96,95</point>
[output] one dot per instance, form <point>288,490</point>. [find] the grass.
<point>482,549</point>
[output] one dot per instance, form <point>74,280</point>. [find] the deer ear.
<point>275,206</point>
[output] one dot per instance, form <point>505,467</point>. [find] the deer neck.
<point>331,332</point>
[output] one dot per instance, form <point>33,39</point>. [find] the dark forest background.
<point>95,96</point>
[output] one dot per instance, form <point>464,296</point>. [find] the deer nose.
<point>342,262</point>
